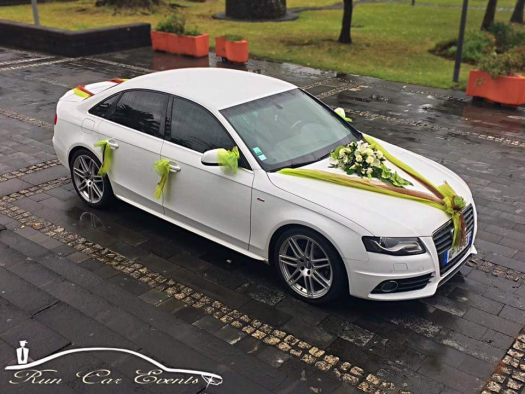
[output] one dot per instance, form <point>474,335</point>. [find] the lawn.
<point>391,41</point>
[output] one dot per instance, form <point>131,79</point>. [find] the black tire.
<point>339,283</point>
<point>107,192</point>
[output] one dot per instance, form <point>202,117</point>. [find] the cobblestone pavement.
<point>73,277</point>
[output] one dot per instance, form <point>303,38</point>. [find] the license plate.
<point>451,254</point>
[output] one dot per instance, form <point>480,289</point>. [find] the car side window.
<point>141,110</point>
<point>102,109</point>
<point>195,128</point>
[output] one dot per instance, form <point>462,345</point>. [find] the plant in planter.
<point>232,47</point>
<point>170,36</point>
<point>498,80</point>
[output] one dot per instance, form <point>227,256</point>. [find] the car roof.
<point>213,88</point>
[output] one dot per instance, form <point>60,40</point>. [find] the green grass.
<point>390,42</point>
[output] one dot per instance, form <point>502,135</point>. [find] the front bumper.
<point>364,277</point>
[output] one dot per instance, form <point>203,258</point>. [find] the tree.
<point>346,37</point>
<point>517,15</point>
<point>490,14</point>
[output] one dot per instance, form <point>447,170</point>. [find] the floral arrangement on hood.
<point>365,160</point>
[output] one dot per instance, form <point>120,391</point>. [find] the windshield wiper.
<point>305,163</point>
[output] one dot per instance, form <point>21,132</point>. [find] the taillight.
<point>56,118</point>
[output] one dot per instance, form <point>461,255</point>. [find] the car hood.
<point>379,214</point>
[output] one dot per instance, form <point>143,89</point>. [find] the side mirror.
<point>209,158</point>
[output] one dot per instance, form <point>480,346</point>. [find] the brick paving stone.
<point>158,264</point>
<point>452,377</point>
<point>273,357</point>
<point>265,313</point>
<point>229,334</point>
<point>222,294</point>
<point>154,296</point>
<point>497,339</point>
<point>22,294</point>
<point>513,314</point>
<point>459,325</point>
<point>476,367</point>
<point>306,312</point>
<point>190,262</point>
<point>515,300</point>
<point>43,340</point>
<point>130,284</point>
<point>476,301</point>
<point>171,305</point>
<point>439,352</point>
<point>494,322</point>
<point>475,348</point>
<point>209,324</point>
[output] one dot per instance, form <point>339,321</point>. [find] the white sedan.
<point>324,239</point>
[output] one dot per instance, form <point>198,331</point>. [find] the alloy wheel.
<point>89,184</point>
<point>305,266</point>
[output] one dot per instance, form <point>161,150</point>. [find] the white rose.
<point>341,153</point>
<point>370,159</point>
<point>369,152</point>
<point>379,154</point>
<point>369,171</point>
<point>363,171</point>
<point>359,158</point>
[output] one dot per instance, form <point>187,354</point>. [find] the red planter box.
<point>196,46</point>
<point>234,51</point>
<point>509,90</point>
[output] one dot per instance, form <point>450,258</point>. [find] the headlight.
<point>394,246</point>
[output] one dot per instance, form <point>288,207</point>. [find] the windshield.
<point>288,129</point>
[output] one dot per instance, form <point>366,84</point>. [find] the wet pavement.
<point>103,269</point>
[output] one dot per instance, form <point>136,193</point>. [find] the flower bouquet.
<point>365,160</point>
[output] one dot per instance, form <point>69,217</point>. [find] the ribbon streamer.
<point>107,157</point>
<point>341,112</point>
<point>228,159</point>
<point>443,197</point>
<point>163,169</point>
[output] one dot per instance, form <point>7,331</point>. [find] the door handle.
<point>175,168</point>
<point>112,144</point>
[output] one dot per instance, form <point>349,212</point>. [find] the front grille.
<point>409,284</point>
<point>444,236</point>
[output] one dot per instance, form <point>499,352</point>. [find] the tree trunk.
<point>490,14</point>
<point>517,15</point>
<point>255,9</point>
<point>346,36</point>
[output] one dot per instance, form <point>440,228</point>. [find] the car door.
<point>135,131</point>
<point>200,196</point>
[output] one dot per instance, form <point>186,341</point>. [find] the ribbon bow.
<point>107,157</point>
<point>341,112</point>
<point>228,159</point>
<point>163,169</point>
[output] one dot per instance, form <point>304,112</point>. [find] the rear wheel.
<point>94,189</point>
<point>309,266</point>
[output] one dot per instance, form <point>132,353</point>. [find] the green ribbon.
<point>443,197</point>
<point>341,112</point>
<point>107,157</point>
<point>163,169</point>
<point>228,159</point>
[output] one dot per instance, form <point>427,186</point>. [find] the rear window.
<point>102,109</point>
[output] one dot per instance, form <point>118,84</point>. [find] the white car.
<point>323,239</point>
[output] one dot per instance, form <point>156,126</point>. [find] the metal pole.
<point>35,12</point>
<point>459,52</point>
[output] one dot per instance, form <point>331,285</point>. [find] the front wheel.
<point>309,266</point>
<point>94,189</point>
